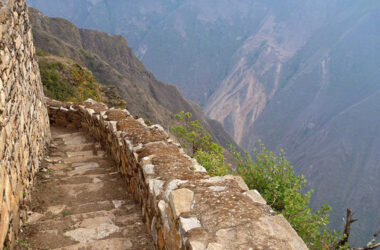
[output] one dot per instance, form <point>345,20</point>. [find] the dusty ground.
<point>80,201</point>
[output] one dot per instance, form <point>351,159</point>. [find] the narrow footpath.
<point>80,201</point>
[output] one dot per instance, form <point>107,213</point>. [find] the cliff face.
<point>254,78</point>
<point>24,125</point>
<point>113,63</point>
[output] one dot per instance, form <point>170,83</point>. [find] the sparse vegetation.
<point>24,243</point>
<point>65,80</point>
<point>65,213</point>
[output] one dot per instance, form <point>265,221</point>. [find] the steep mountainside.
<point>113,63</point>
<point>65,80</point>
<point>165,31</point>
<point>301,75</point>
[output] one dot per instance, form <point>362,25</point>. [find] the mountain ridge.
<point>114,63</point>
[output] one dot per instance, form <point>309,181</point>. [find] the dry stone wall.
<point>24,125</point>
<point>183,207</point>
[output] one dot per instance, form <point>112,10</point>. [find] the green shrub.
<point>273,176</point>
<point>194,136</point>
<point>66,82</point>
<point>54,86</point>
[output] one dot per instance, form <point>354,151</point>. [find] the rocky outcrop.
<point>182,206</point>
<point>24,125</point>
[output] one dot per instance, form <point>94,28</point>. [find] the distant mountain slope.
<point>317,96</point>
<point>162,32</point>
<point>113,63</point>
<point>326,114</point>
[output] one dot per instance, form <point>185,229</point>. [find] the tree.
<point>347,231</point>
<point>204,150</point>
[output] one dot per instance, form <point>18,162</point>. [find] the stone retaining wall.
<point>24,125</point>
<point>183,207</point>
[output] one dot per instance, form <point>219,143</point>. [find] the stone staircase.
<point>80,201</point>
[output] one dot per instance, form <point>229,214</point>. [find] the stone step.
<point>59,212</point>
<point>64,236</point>
<point>87,153</point>
<point>66,174</point>
<point>87,189</point>
<point>76,194</point>
<point>58,166</point>
<point>107,205</point>
<point>74,140</point>
<point>87,178</point>
<point>75,134</point>
<point>60,154</point>
<point>92,227</point>
<point>82,159</point>
<point>77,147</point>
<point>88,168</point>
<point>111,244</point>
<point>118,219</point>
<point>49,239</point>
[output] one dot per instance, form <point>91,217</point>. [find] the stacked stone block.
<point>183,207</point>
<point>24,124</point>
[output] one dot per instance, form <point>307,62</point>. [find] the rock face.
<point>24,125</point>
<point>182,206</point>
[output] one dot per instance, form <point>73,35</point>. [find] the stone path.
<point>80,201</point>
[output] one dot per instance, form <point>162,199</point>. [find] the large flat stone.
<point>93,229</point>
<point>181,201</point>
<point>82,168</point>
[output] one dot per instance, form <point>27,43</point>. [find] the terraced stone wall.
<point>183,207</point>
<point>24,124</point>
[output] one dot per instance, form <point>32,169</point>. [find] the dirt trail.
<point>80,201</point>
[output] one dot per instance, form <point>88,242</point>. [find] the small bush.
<point>194,136</point>
<point>65,82</point>
<point>54,85</point>
<point>273,176</point>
